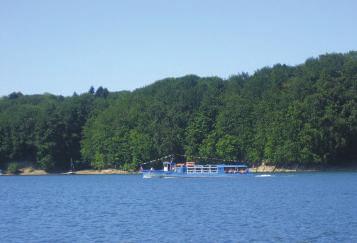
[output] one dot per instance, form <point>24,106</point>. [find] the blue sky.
<point>68,45</point>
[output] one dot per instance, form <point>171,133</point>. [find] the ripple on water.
<point>311,207</point>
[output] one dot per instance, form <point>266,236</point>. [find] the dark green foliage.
<point>91,90</point>
<point>13,168</point>
<point>305,114</point>
<point>102,92</point>
<point>45,130</point>
<point>15,95</point>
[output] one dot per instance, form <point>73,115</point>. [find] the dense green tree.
<point>306,114</point>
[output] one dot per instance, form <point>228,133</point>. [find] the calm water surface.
<point>307,207</point>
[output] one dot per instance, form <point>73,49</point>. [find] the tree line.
<point>304,114</point>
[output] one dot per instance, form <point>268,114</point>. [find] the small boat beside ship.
<point>191,170</point>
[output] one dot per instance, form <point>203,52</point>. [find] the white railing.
<point>202,169</point>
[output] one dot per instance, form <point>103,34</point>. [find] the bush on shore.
<point>13,168</point>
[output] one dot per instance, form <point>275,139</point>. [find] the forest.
<point>281,115</point>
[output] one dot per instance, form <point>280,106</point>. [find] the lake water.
<point>305,207</point>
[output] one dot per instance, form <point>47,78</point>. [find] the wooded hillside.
<point>306,114</point>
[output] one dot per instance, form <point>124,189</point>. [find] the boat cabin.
<point>231,169</point>
<point>169,166</point>
<point>192,168</point>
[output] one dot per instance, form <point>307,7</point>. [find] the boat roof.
<point>219,165</point>
<point>232,166</point>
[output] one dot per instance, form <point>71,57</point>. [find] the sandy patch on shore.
<point>102,172</point>
<point>272,168</point>
<point>31,171</point>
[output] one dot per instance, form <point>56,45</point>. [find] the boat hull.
<point>165,174</point>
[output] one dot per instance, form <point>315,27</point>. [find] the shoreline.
<point>28,171</point>
<point>37,172</point>
<point>298,169</point>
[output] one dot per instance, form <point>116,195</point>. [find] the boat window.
<point>230,170</point>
